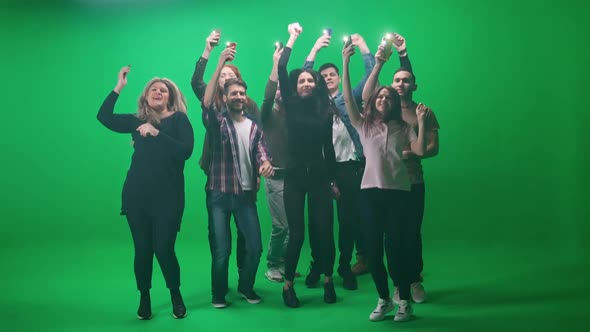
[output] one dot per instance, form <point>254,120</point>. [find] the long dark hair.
<point>320,96</point>
<point>372,115</point>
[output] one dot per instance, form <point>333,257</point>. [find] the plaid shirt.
<point>224,171</point>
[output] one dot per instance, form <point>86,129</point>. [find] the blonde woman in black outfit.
<point>153,193</point>
<point>310,168</point>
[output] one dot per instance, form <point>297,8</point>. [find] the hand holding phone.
<point>347,41</point>
<point>214,37</point>
<point>387,46</point>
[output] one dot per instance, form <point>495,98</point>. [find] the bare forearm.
<point>372,82</point>
<point>351,107</point>
<point>312,54</point>
<point>212,87</point>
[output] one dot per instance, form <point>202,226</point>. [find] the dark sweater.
<point>155,179</point>
<point>309,129</point>
<point>274,126</point>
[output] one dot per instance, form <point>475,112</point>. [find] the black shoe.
<point>290,298</point>
<point>219,302</point>
<point>250,296</point>
<point>145,307</point>
<point>178,308</point>
<point>313,277</point>
<point>329,292</point>
<point>348,279</point>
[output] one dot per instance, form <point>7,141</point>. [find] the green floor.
<point>506,228</point>
<point>88,285</point>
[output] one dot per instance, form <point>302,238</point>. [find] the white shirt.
<point>243,129</point>
<point>383,150</point>
<point>343,145</point>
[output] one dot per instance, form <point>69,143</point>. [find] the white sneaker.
<point>404,311</point>
<point>383,307</point>
<point>274,275</point>
<point>396,296</point>
<point>418,292</point>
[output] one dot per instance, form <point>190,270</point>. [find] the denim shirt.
<point>357,94</point>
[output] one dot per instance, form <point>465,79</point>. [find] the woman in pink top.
<point>385,185</point>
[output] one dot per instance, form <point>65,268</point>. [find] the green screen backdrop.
<point>506,224</point>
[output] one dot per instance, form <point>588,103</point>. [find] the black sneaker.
<point>290,298</point>
<point>145,308</point>
<point>250,296</point>
<point>178,307</point>
<point>348,280</point>
<point>219,302</point>
<point>329,292</point>
<point>313,277</point>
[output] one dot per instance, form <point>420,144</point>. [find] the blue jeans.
<point>279,236</point>
<point>220,207</point>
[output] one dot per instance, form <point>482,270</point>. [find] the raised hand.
<point>122,79</point>
<point>399,42</point>
<point>380,56</point>
<point>212,40</point>
<point>359,41</point>
<point>347,52</point>
<point>227,55</point>
<point>147,129</point>
<point>294,29</point>
<point>277,55</point>
<point>323,41</point>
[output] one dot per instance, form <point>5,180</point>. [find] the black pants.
<point>154,232</point>
<point>415,215</point>
<point>348,177</point>
<point>386,215</point>
<point>314,182</point>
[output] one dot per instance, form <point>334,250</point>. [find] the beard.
<point>236,108</point>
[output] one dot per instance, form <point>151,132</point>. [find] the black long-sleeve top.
<point>274,126</point>
<point>155,179</point>
<point>309,129</point>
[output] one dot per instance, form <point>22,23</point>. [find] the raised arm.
<point>369,61</point>
<point>351,106</point>
<point>120,123</point>
<point>271,89</point>
<point>197,81</point>
<point>320,43</point>
<point>210,92</point>
<point>399,42</point>
<point>286,89</point>
<point>373,80</point>
<point>211,117</point>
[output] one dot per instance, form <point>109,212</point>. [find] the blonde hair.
<point>176,101</point>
